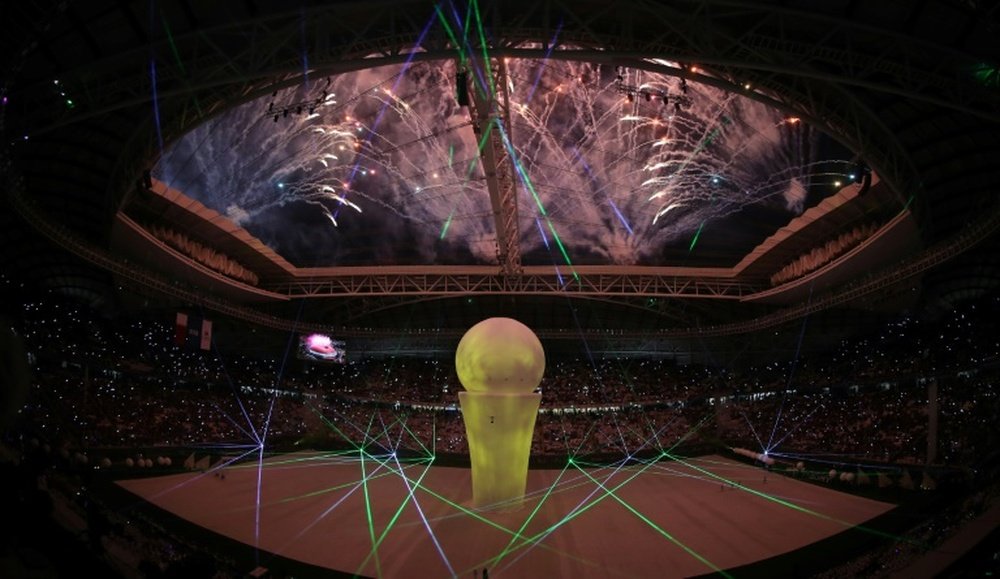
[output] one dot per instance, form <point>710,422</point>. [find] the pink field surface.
<point>668,519</point>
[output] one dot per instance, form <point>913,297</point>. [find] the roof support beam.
<point>489,107</point>
<point>623,283</point>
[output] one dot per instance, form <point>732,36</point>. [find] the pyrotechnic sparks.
<point>395,130</point>
<point>664,211</point>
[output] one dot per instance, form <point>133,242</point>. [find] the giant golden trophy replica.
<point>500,363</point>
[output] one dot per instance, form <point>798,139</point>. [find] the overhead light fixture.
<point>860,171</point>
<point>862,174</point>
<point>462,88</point>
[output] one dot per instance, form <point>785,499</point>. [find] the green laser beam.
<point>324,491</point>
<point>303,530</point>
<point>465,27</point>
<point>496,560</point>
<point>447,223</point>
<point>535,540</point>
<point>519,167</point>
<point>369,438</point>
<point>562,248</point>
<point>499,527</point>
<point>429,453</point>
<point>479,151</point>
<point>404,427</point>
<point>696,236</point>
<point>486,136</point>
<point>371,476</point>
<point>987,74</point>
<point>177,57</point>
<point>659,529</point>
<point>486,56</point>
<point>649,423</point>
<point>451,34</point>
<point>331,425</point>
<point>707,140</point>
<point>368,513</point>
<point>392,521</point>
<point>279,463</point>
<point>690,432</point>
<point>583,440</point>
<point>397,419</point>
<point>791,505</point>
<point>173,46</point>
<point>464,510</point>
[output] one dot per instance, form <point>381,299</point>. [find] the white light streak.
<point>663,212</point>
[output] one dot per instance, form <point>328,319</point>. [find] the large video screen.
<point>321,348</point>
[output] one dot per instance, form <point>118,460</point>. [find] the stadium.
<point>757,241</point>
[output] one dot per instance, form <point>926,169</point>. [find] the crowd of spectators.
<point>824,254</point>
<point>204,254</point>
<point>919,392</point>
<point>96,385</point>
<point>875,423</point>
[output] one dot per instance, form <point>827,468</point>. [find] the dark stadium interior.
<point>761,230</point>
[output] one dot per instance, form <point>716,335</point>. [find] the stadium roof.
<point>111,109</point>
